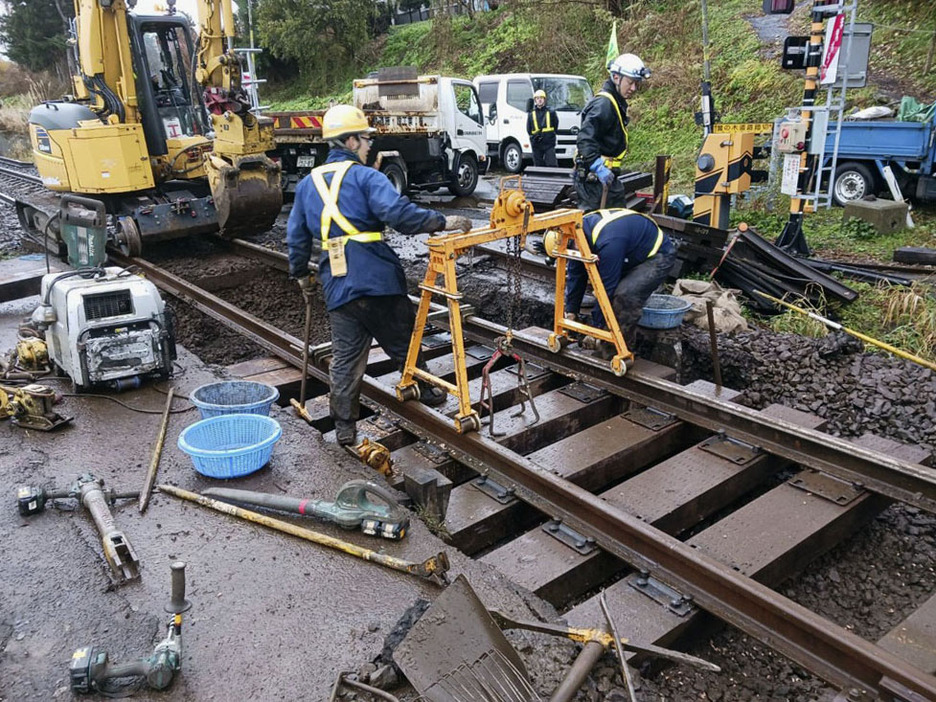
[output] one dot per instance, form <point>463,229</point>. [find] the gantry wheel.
<point>128,237</point>
<point>408,392</point>
<point>472,422</point>
<point>557,342</point>
<point>618,367</point>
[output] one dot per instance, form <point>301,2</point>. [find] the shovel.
<point>456,653</point>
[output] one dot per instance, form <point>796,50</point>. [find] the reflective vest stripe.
<point>608,216</point>
<point>616,161</point>
<point>330,211</point>
<point>547,128</point>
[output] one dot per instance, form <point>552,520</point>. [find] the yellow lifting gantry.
<point>511,216</point>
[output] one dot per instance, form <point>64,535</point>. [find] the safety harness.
<point>616,161</point>
<point>536,127</point>
<point>608,216</point>
<point>330,213</point>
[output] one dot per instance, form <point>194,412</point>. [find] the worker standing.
<point>602,139</point>
<point>346,206</point>
<point>541,126</point>
<point>634,258</point>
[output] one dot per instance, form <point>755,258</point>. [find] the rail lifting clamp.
<point>511,216</point>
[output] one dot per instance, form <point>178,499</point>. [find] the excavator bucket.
<point>247,193</point>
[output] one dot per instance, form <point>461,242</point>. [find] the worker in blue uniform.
<point>634,258</point>
<point>602,140</point>
<point>346,205</point>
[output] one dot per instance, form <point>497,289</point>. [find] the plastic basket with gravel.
<point>663,312</point>
<point>234,397</point>
<point>230,445</point>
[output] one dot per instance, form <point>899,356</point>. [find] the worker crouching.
<point>634,258</point>
<point>346,206</point>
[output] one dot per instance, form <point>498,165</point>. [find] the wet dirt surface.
<point>270,613</point>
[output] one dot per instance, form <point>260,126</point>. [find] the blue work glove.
<point>602,171</point>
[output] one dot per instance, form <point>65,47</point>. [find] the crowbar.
<point>857,334</point>
<point>433,569</point>
<point>605,638</point>
<point>150,479</point>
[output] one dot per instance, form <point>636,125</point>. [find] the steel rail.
<point>828,650</point>
<point>16,163</point>
<point>905,482</point>
<point>29,177</point>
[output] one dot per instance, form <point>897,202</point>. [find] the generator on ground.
<point>105,326</point>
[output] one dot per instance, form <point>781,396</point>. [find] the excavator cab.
<point>175,122</point>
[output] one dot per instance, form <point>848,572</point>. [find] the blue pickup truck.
<point>909,148</point>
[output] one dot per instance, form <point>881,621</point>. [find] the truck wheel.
<point>513,157</point>
<point>853,181</point>
<point>465,179</point>
<point>397,176</point>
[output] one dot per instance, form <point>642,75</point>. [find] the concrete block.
<point>885,216</point>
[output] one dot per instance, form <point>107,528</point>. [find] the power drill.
<point>90,671</point>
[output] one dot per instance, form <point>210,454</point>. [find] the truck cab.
<point>507,98</point>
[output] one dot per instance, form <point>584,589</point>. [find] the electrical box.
<point>779,7</point>
<point>791,137</point>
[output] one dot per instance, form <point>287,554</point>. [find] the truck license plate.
<point>305,161</point>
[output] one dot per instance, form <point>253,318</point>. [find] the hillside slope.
<point>571,37</point>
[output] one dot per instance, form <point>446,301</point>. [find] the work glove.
<point>602,171</point>
<point>305,284</point>
<point>539,247</point>
<point>457,223</point>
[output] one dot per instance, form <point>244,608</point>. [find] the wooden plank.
<point>750,541</point>
<point>914,639</point>
<point>673,495</point>
<point>475,520</point>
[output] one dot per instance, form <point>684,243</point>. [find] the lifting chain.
<point>514,282</point>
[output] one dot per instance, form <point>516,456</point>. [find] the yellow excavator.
<point>159,128</point>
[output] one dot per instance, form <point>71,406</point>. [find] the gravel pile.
<point>885,571</point>
<point>855,392</point>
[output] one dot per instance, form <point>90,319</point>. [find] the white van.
<point>507,98</point>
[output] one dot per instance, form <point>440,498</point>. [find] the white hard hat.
<point>540,93</point>
<point>629,65</point>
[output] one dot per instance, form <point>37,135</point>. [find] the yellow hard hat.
<point>551,242</point>
<point>540,93</point>
<point>344,120</point>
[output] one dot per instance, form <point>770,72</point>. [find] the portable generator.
<point>105,326</point>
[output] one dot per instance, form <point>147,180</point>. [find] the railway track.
<point>672,500</point>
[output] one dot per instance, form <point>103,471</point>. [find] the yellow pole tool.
<point>433,569</point>
<point>858,335</point>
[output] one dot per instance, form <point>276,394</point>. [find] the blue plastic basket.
<point>234,397</point>
<point>231,445</point>
<point>663,312</point>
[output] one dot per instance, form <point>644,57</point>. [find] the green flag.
<point>612,46</point>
